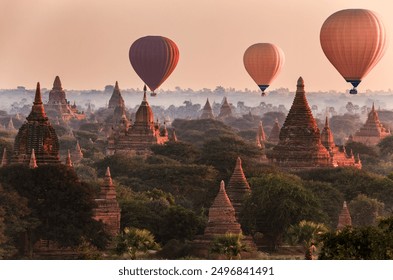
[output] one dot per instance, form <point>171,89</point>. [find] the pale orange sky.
<point>86,42</point>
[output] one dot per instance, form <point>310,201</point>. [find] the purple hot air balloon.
<point>154,58</point>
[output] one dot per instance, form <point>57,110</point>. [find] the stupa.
<point>238,187</point>
<point>138,137</point>
<point>300,144</point>
<point>338,158</point>
<point>116,98</point>
<point>222,220</point>
<point>225,110</point>
<point>108,210</point>
<point>36,133</point>
<point>207,111</point>
<point>59,104</point>
<point>344,219</point>
<point>372,131</point>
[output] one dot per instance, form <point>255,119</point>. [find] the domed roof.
<point>144,115</point>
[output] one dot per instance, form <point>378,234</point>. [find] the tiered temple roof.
<point>300,144</point>
<point>344,219</point>
<point>238,187</point>
<point>222,217</point>
<point>139,136</point>
<point>338,158</point>
<point>36,133</point>
<point>58,102</point>
<point>116,99</point>
<point>108,210</point>
<point>274,136</point>
<point>372,131</point>
<point>207,111</point>
<point>225,110</point>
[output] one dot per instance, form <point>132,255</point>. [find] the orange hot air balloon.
<point>263,62</point>
<point>154,58</point>
<point>353,40</point>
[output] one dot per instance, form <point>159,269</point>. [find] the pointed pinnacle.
<point>37,97</point>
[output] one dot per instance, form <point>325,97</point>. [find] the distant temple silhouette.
<point>137,137</point>
<point>372,131</point>
<point>207,111</point>
<point>59,104</point>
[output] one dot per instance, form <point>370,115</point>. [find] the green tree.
<point>222,154</point>
<point>305,233</point>
<point>14,220</point>
<point>276,202</point>
<point>180,151</point>
<point>365,211</point>
<point>362,243</point>
<point>62,205</point>
<point>133,240</point>
<point>229,245</point>
<point>386,146</point>
<point>329,198</point>
<point>351,182</point>
<point>180,223</point>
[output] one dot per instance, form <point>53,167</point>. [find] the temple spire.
<point>261,132</point>
<point>37,111</point>
<point>344,219</point>
<point>116,99</point>
<point>4,160</point>
<point>37,97</point>
<point>222,215</point>
<point>238,187</point>
<point>57,84</point>
<point>258,141</point>
<point>144,93</point>
<point>10,125</point>
<point>207,112</point>
<point>33,161</point>
<point>174,137</point>
<point>108,189</point>
<point>68,159</point>
<point>108,178</point>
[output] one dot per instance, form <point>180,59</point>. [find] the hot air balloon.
<point>353,40</point>
<point>154,58</point>
<point>263,62</point>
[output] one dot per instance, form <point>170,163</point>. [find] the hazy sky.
<point>86,42</point>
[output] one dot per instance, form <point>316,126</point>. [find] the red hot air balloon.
<point>353,40</point>
<point>263,62</point>
<point>154,58</point>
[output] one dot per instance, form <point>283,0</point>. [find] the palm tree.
<point>133,240</point>
<point>229,245</point>
<point>306,233</point>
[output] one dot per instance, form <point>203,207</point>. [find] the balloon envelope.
<point>263,62</point>
<point>154,58</point>
<point>353,40</point>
